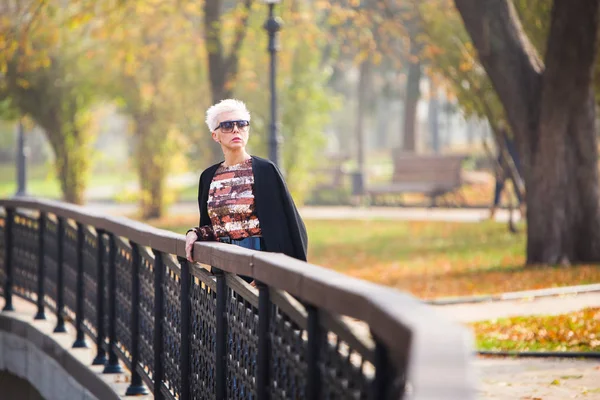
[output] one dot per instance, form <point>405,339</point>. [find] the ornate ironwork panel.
<point>106,247</point>
<point>203,336</point>
<point>25,256</point>
<point>146,340</point>
<point>288,365</point>
<point>345,373</point>
<point>90,281</point>
<point>50,264</point>
<point>172,326</point>
<point>123,293</point>
<point>242,343</point>
<point>70,269</point>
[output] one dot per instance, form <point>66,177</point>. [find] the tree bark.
<point>550,108</point>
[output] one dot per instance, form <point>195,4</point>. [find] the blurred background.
<point>112,96</point>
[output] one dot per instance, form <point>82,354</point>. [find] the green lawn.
<point>428,259</point>
<point>189,193</point>
<point>40,181</point>
<point>576,331</point>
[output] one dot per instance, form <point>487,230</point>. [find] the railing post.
<point>8,259</point>
<point>100,358</point>
<point>184,362</point>
<point>390,379</point>
<point>313,381</point>
<point>80,299</point>
<point>136,387</point>
<point>41,273</point>
<point>221,340</point>
<point>113,366</point>
<point>264,342</point>
<point>381,383</point>
<point>159,274</point>
<point>60,300</point>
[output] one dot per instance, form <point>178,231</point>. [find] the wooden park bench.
<point>431,175</point>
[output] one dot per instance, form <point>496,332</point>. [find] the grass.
<point>575,331</point>
<point>427,259</point>
<point>40,181</point>
<point>188,193</point>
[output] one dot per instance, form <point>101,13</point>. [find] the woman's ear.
<point>215,137</point>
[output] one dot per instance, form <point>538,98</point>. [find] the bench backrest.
<point>443,169</point>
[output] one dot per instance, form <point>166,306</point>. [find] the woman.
<point>244,199</point>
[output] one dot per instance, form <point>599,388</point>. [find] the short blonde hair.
<point>227,105</point>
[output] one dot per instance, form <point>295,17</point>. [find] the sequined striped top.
<point>231,205</point>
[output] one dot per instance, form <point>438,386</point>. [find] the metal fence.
<point>186,332</point>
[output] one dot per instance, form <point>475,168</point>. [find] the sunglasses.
<point>227,126</point>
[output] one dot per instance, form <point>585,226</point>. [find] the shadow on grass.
<point>520,269</point>
<point>495,279</point>
<point>485,280</point>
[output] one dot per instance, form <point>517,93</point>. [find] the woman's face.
<point>235,139</point>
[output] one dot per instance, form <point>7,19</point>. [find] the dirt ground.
<point>538,378</point>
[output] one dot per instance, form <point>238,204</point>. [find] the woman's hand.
<point>190,239</point>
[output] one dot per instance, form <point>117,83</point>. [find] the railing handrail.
<point>440,351</point>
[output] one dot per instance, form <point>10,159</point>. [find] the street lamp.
<point>21,161</point>
<point>272,26</point>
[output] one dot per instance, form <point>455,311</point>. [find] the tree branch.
<point>508,57</point>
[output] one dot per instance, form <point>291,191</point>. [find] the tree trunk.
<point>563,226</point>
<point>551,111</point>
<point>71,152</point>
<point>58,115</point>
<point>71,178</point>
<point>222,69</point>
<point>214,47</point>
<point>413,94</point>
<point>216,68</point>
<point>151,166</point>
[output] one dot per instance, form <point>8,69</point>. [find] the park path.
<point>531,378</point>
<point>537,378</point>
<point>554,305</point>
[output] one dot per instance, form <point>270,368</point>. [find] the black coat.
<point>282,227</point>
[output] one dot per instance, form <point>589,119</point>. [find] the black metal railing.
<point>185,332</point>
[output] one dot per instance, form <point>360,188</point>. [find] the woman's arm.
<point>204,233</point>
<point>204,230</point>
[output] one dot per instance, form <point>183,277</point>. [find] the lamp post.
<point>21,161</point>
<point>272,26</point>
